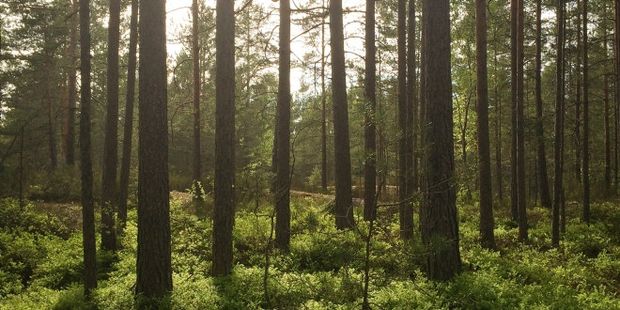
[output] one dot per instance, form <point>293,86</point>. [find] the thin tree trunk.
<point>110,149</point>
<point>405,208</point>
<point>283,129</point>
<point>344,207</point>
<point>543,181</point>
<point>69,141</point>
<point>498,129</point>
<point>22,202</point>
<point>323,109</point>
<point>617,96</point>
<point>154,272</point>
<point>514,12</point>
<point>197,158</point>
<point>88,207</point>
<point>370,128</point>
<point>484,148</point>
<point>129,107</point>
<point>586,119</point>
<point>521,197</point>
<point>578,101</point>
<point>606,121</point>
<point>224,139</point>
<point>558,190</point>
<point>439,214</point>
<point>412,97</point>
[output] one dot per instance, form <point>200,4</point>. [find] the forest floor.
<point>40,262</point>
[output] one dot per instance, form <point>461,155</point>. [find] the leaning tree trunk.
<point>439,215</point>
<point>110,148</point>
<point>543,181</point>
<point>283,130</point>
<point>558,190</point>
<point>484,148</point>
<point>129,107</point>
<point>89,242</point>
<point>370,128</point>
<point>154,272</point>
<point>344,207</point>
<point>224,212</point>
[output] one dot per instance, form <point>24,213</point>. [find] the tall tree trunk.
<point>129,107</point>
<point>578,101</point>
<point>154,273</point>
<point>498,132</point>
<point>484,148</point>
<point>283,130</point>
<point>69,125</point>
<point>22,202</point>
<point>196,160</point>
<point>521,198</point>
<point>514,15</point>
<point>586,119</point>
<point>47,101</point>
<point>606,120</point>
<point>423,122</point>
<point>412,97</point>
<point>86,169</point>
<point>405,208</point>
<point>558,190</point>
<point>439,215</point>
<point>617,96</point>
<point>323,107</point>
<point>543,180</point>
<point>344,207</point>
<point>224,214</point>
<point>370,128</point>
<point>110,148</point>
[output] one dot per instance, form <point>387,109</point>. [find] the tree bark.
<point>110,149</point>
<point>558,190</point>
<point>344,207</point>
<point>514,15</point>
<point>283,130</point>
<point>370,128</point>
<point>405,207</point>
<point>69,125</point>
<point>196,159</point>
<point>439,215</point>
<point>617,96</point>
<point>543,180</point>
<point>487,224</point>
<point>586,119</point>
<point>521,197</point>
<point>323,108</point>
<point>86,169</point>
<point>129,107</point>
<point>154,273</point>
<point>578,101</point>
<point>606,118</point>
<point>412,99</point>
<point>224,214</point>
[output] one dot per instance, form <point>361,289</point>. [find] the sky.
<point>179,15</point>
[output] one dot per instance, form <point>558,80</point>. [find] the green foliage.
<point>324,269</point>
